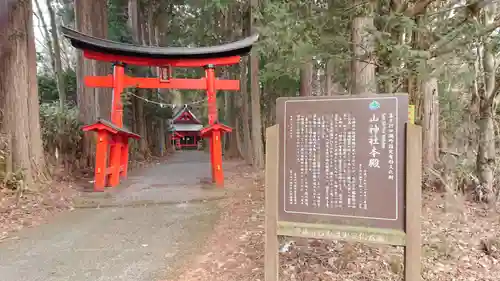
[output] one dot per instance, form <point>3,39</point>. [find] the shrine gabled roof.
<point>183,109</point>
<point>90,43</point>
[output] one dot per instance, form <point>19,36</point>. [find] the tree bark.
<point>486,156</point>
<point>90,19</point>
<point>36,144</point>
<point>163,23</point>
<point>150,133</point>
<point>473,110</point>
<point>331,87</point>
<point>430,121</point>
<point>306,78</point>
<point>138,35</point>
<point>61,85</point>
<point>19,92</point>
<point>257,144</point>
<point>161,137</point>
<point>363,63</point>
<point>245,114</point>
<point>140,122</point>
<point>152,11</point>
<point>232,145</point>
<point>230,97</point>
<point>244,93</point>
<point>423,92</point>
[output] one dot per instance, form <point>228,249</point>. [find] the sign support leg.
<point>413,247</point>
<point>271,256</point>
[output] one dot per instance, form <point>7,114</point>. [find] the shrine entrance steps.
<point>142,231</point>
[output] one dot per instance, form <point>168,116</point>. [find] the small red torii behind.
<point>165,58</point>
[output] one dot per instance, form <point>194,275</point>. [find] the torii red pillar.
<point>212,111</point>
<point>118,86</point>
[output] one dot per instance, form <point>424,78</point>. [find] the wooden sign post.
<point>411,114</point>
<point>344,168</point>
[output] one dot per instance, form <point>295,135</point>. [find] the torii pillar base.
<point>214,133</point>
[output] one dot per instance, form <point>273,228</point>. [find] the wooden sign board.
<point>340,168</point>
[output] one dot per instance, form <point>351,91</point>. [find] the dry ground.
<point>19,210</point>
<point>461,241</point>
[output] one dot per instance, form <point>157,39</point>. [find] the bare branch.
<point>438,51</point>
<point>398,6</point>
<point>418,8</point>
<point>46,34</point>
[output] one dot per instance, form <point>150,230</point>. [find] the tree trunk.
<point>232,145</point>
<point>363,63</point>
<point>36,144</point>
<point>141,122</point>
<point>230,97</point>
<point>133,20</point>
<point>245,113</point>
<point>244,77</point>
<point>486,155</point>
<point>55,58</point>
<point>257,144</point>
<point>90,19</point>
<point>161,137</point>
<point>239,141</point>
<point>430,121</point>
<point>473,110</point>
<point>486,161</point>
<point>423,92</point>
<point>137,36</point>
<point>163,23</point>
<point>151,12</point>
<point>104,95</point>
<point>306,78</point>
<point>19,92</point>
<point>150,133</point>
<point>331,87</point>
<point>61,85</point>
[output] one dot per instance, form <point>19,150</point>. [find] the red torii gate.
<point>165,58</point>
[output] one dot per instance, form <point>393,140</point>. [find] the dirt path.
<point>142,231</point>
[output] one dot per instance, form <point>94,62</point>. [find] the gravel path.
<point>142,231</point>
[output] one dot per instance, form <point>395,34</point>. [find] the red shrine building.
<point>186,129</point>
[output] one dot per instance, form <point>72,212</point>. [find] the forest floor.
<point>461,242</point>
<point>18,211</point>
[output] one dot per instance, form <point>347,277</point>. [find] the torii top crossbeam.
<point>165,58</point>
<point>106,50</point>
